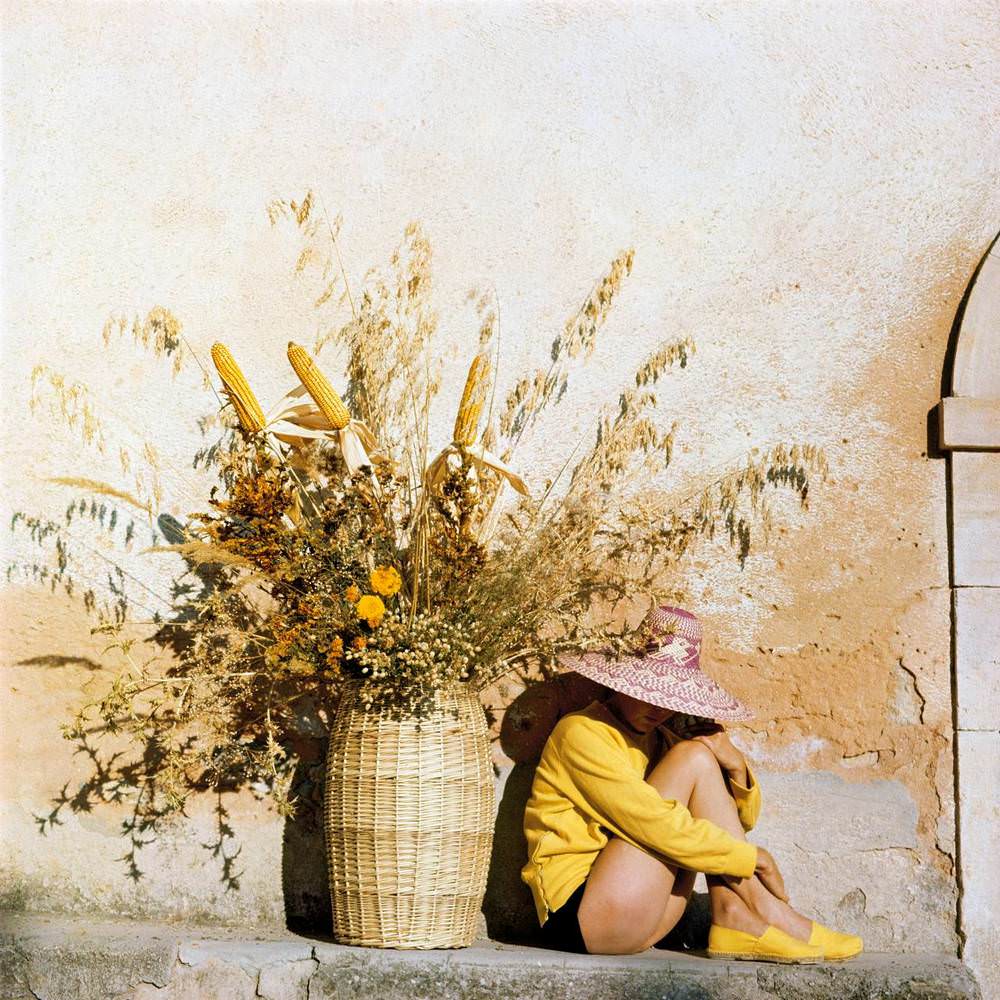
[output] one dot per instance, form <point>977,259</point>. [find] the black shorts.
<point>561,931</point>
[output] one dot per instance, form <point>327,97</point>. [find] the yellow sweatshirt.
<point>591,783</point>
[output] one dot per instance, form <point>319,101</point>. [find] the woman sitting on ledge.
<point>631,799</point>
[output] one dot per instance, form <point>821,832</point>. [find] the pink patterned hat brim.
<point>685,688</point>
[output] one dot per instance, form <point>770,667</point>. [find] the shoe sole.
<point>742,956</point>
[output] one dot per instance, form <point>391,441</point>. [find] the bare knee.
<point>672,914</point>
<point>617,927</point>
<point>692,754</point>
<point>623,929</point>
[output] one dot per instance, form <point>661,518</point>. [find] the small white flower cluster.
<point>404,663</point>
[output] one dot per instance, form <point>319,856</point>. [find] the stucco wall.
<point>807,188</point>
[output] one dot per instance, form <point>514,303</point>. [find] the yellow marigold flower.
<point>386,580</point>
<point>352,594</point>
<point>371,609</point>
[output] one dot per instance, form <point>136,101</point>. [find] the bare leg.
<point>711,800</point>
<point>632,898</point>
<point>778,912</point>
<point>732,900</point>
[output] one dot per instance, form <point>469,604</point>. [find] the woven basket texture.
<point>409,823</point>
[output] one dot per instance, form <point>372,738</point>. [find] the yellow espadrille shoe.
<point>834,945</point>
<point>774,945</point>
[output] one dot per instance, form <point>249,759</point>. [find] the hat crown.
<point>667,620</point>
<point>665,670</point>
<point>674,639</point>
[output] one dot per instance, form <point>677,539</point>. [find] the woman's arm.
<point>740,778</point>
<point>590,767</point>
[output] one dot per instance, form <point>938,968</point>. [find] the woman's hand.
<point>717,740</point>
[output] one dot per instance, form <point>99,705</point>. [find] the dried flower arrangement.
<point>338,547</point>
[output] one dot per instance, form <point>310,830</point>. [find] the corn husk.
<point>296,418</point>
<point>451,458</point>
<point>467,430</point>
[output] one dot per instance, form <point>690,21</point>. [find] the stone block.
<point>978,781</point>
<point>59,960</point>
<point>977,657</point>
<point>485,973</point>
<point>215,979</point>
<point>289,981</point>
<point>975,512</point>
<point>970,423</point>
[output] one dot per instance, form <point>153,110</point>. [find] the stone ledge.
<point>967,423</point>
<point>71,958</point>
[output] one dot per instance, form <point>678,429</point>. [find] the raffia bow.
<point>297,418</point>
<point>451,458</point>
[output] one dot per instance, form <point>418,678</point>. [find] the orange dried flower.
<point>352,594</point>
<point>385,580</point>
<point>359,642</point>
<point>371,609</point>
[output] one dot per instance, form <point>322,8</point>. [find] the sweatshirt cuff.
<point>745,789</point>
<point>744,859</point>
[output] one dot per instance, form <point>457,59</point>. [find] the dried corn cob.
<point>467,420</point>
<point>251,416</point>
<point>318,386</point>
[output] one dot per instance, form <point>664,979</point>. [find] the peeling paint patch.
<point>797,754</point>
<point>869,759</point>
<point>907,702</point>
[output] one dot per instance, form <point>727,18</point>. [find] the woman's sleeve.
<point>747,799</point>
<point>599,775</point>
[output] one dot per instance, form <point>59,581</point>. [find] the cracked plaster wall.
<point>807,194</point>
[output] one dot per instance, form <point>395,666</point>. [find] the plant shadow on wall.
<point>330,547</point>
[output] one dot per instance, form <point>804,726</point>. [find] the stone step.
<point>50,957</point>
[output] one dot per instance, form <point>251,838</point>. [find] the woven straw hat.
<point>665,672</point>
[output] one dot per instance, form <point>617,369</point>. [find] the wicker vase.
<point>409,823</point>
